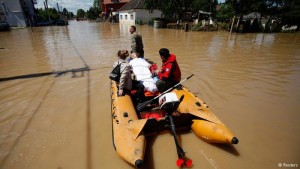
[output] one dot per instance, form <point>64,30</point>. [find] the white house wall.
<point>146,15</point>
<point>127,17</point>
<point>131,16</point>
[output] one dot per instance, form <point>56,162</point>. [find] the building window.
<point>125,17</point>
<point>121,17</point>
<point>131,17</point>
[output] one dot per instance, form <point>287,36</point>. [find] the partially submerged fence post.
<point>232,24</point>
<point>186,27</point>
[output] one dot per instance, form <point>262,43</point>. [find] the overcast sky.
<point>71,5</point>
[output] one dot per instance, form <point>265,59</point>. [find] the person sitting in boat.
<point>125,82</point>
<point>141,71</point>
<point>170,73</point>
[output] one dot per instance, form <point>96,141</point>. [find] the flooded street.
<point>63,121</point>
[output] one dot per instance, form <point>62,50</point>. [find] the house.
<point>17,13</point>
<point>110,6</point>
<point>135,12</point>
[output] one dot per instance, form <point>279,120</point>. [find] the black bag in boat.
<point>116,73</point>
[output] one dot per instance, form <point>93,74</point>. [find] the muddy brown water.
<point>250,81</point>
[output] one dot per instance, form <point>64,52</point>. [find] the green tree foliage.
<point>80,13</point>
<point>287,12</point>
<point>65,12</point>
<point>169,7</point>
<point>96,3</point>
<point>70,15</point>
<point>53,14</point>
<point>204,5</point>
<point>93,13</point>
<point>291,15</point>
<point>43,15</point>
<point>226,12</point>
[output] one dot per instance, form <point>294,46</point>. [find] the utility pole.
<point>60,15</point>
<point>46,9</point>
<point>57,7</point>
<point>6,13</point>
<point>210,6</point>
<point>3,4</point>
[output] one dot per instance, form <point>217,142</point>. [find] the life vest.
<point>170,70</point>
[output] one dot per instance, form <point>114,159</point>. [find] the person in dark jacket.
<point>136,41</point>
<point>170,73</point>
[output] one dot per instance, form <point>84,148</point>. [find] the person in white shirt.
<point>140,68</point>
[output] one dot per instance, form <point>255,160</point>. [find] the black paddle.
<point>143,105</point>
<point>180,151</point>
<point>181,162</point>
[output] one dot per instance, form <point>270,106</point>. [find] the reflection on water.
<point>250,81</point>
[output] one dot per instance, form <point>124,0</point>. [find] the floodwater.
<point>250,81</point>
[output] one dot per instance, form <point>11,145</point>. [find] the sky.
<point>70,5</point>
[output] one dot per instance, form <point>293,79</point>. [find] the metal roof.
<point>133,4</point>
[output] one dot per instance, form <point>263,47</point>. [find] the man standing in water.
<point>136,41</point>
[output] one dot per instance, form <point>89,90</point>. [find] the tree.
<point>53,14</point>
<point>204,5</point>
<point>179,7</point>
<point>96,3</point>
<point>93,13</point>
<point>286,12</point>
<point>70,15</point>
<point>42,15</point>
<point>80,13</point>
<point>291,14</point>
<point>226,12</point>
<point>65,11</point>
<point>169,7</point>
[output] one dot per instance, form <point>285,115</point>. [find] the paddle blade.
<point>179,162</point>
<point>188,163</point>
<point>184,163</point>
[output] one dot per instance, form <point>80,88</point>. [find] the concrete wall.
<point>127,17</point>
<point>146,16</point>
<point>131,16</point>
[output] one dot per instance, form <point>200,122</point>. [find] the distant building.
<point>135,12</point>
<point>109,6</point>
<point>18,13</point>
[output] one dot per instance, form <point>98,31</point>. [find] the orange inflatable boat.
<point>130,126</point>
